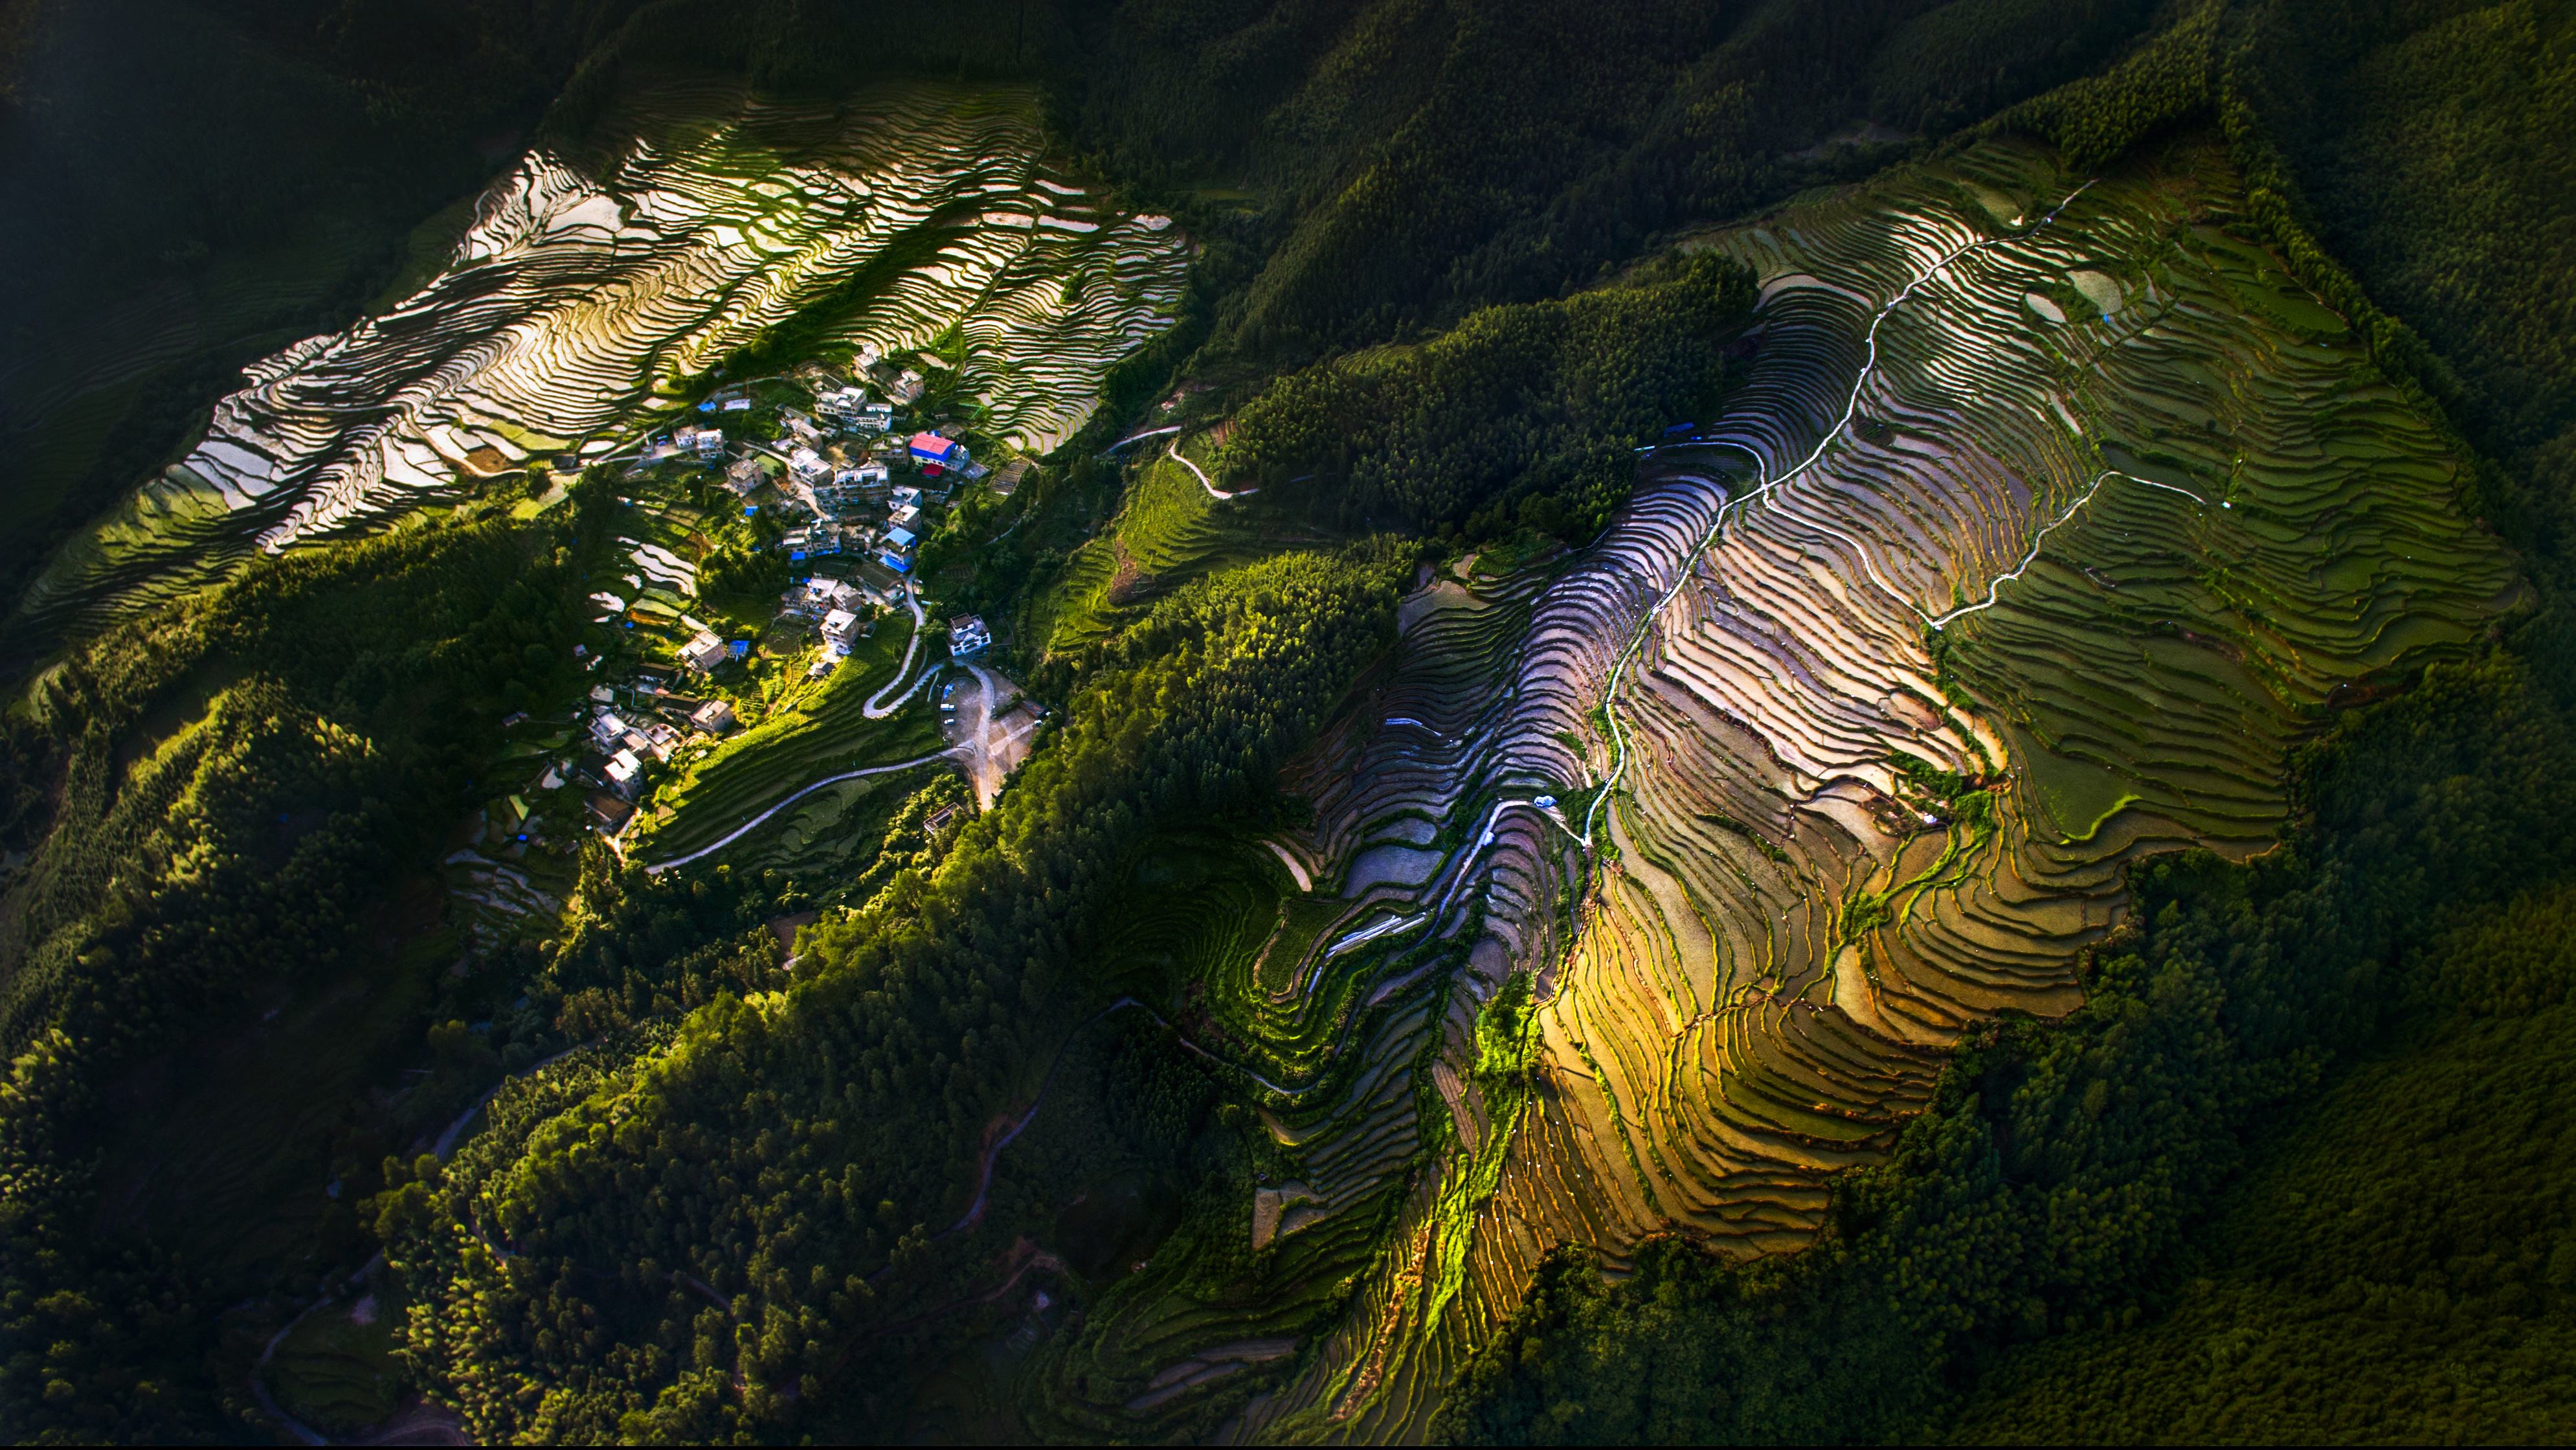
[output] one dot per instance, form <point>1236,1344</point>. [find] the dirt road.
<point>990,731</point>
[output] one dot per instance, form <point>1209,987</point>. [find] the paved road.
<point>877,707</point>
<point>1220,495</point>
<point>738,832</point>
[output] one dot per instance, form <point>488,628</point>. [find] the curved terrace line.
<point>1851,408</point>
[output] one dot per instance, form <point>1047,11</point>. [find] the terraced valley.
<point>2044,525</point>
<point>591,299</point>
<point>1112,722</point>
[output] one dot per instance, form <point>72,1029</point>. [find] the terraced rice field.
<point>2048,518</point>
<point>337,1374</point>
<point>588,303</point>
<point>1169,530</point>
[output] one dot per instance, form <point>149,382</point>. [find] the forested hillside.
<point>854,1102</point>
<point>1018,1121</point>
<point>1530,413</point>
<point>2396,1263</point>
<point>1433,157</point>
<point>219,805</point>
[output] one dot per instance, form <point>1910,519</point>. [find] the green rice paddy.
<point>337,1375</point>
<point>1168,531</point>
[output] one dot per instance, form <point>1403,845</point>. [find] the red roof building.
<point>931,448</point>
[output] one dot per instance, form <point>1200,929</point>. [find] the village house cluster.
<point>848,485</point>
<point>848,491</point>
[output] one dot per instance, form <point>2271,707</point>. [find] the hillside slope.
<point>1762,722</point>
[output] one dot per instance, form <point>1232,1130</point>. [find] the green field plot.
<point>818,733</point>
<point>338,1375</point>
<point>829,836</point>
<point>1211,928</point>
<point>1169,529</point>
<point>2168,644</point>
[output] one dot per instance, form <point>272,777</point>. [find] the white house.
<point>850,407</point>
<point>841,630</point>
<point>704,652</point>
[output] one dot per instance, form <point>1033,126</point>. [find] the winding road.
<point>877,706</point>
<point>1172,451</point>
<point>738,832</point>
<point>1139,438</point>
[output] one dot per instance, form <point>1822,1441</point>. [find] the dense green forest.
<point>241,785</point>
<point>2296,1169</point>
<point>2397,1263</point>
<point>1530,412</point>
<point>854,1099</point>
